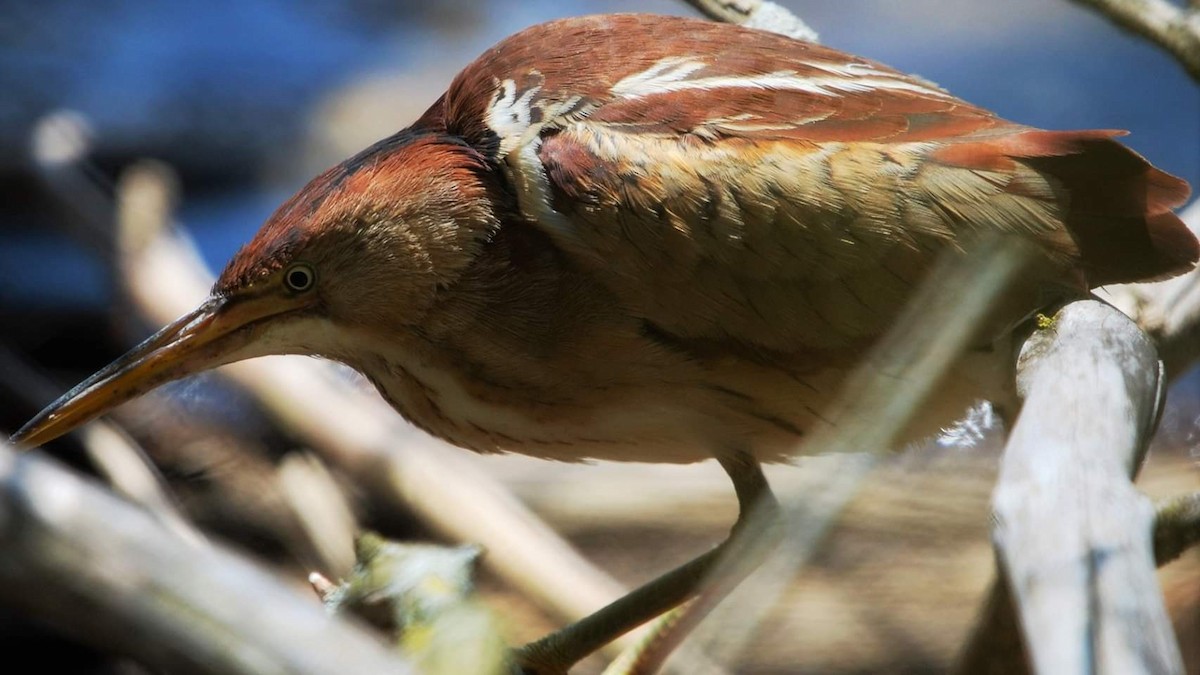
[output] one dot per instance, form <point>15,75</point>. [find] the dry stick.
<point>1176,527</point>
<point>1174,28</point>
<point>760,14</point>
<point>322,510</point>
<point>1072,532</point>
<point>132,475</point>
<point>1169,312</point>
<point>107,572</point>
<point>59,145</point>
<point>995,645</point>
<point>357,432</point>
<point>874,408</point>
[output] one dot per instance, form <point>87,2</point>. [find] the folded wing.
<point>787,195</point>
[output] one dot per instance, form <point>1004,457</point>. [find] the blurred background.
<point>247,99</point>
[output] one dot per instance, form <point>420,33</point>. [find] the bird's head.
<point>362,250</point>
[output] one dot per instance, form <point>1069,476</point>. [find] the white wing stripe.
<point>671,75</point>
<point>669,70</point>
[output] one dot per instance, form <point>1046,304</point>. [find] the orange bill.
<point>214,334</point>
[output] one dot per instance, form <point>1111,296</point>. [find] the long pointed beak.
<point>210,336</point>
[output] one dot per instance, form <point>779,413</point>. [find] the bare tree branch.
<point>1174,28</point>
<point>1176,527</point>
<point>107,572</point>
<point>1071,530</point>
<point>132,475</point>
<point>760,14</point>
<point>323,511</point>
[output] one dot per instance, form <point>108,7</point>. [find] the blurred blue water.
<point>221,86</point>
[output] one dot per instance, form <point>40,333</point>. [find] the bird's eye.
<point>300,277</point>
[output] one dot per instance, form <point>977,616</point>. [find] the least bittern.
<point>655,239</point>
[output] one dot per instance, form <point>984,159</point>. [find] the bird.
<point>659,239</point>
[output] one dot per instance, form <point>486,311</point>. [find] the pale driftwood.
<point>1072,533</point>
<point>354,430</point>
<point>1176,29</point>
<point>760,14</point>
<point>107,572</point>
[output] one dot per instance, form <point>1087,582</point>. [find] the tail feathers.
<point>1119,208</point>
<point>1118,205</point>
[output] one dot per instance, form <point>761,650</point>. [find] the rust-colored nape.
<point>393,178</point>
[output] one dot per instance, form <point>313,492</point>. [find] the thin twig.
<point>323,511</point>
<point>58,148</point>
<point>1176,527</point>
<point>1174,28</point>
<point>131,473</point>
<point>761,14</point>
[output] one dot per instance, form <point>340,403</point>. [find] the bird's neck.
<point>495,346</point>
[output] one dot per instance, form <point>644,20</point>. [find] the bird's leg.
<point>754,535</point>
<point>749,484</point>
<point>558,651</point>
